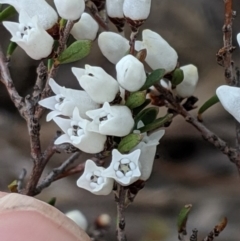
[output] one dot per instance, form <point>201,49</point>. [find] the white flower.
<point>148,147</point>
<point>47,16</point>
<point>124,169</point>
<point>93,180</point>
<point>130,73</point>
<point>78,218</point>
<point>238,38</point>
<point>187,87</point>
<point>159,53</point>
<point>111,120</point>
<point>70,9</point>
<point>115,8</point>
<point>136,9</point>
<point>85,28</point>
<point>77,134</point>
<point>229,97</point>
<point>65,100</point>
<point>100,86</point>
<point>30,36</point>
<point>113,46</point>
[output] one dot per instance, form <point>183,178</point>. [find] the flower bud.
<point>136,9</point>
<point>160,55</point>
<point>188,85</point>
<point>30,36</point>
<point>78,218</point>
<point>85,28</point>
<point>229,97</point>
<point>130,73</point>
<point>47,16</point>
<point>111,120</point>
<point>113,46</point>
<point>70,9</point>
<point>100,86</point>
<point>115,8</point>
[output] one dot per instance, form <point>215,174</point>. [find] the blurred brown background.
<point>189,169</point>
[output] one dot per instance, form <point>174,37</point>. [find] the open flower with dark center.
<point>124,169</point>
<point>76,133</point>
<point>93,180</point>
<point>30,36</point>
<point>65,100</point>
<point>109,120</point>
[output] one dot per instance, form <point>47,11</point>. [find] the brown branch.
<point>56,172</point>
<point>206,133</point>
<point>120,198</point>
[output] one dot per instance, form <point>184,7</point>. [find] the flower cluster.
<point>35,17</point>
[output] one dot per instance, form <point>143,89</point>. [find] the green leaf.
<point>11,48</point>
<point>52,201</point>
<point>177,77</point>
<point>12,187</point>
<point>147,116</point>
<point>156,124</point>
<point>7,13</point>
<point>129,142</point>
<point>153,78</point>
<point>141,107</point>
<point>135,99</point>
<point>75,52</point>
<point>209,103</point>
<point>182,218</point>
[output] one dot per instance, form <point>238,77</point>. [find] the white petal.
<point>188,85</point>
<point>230,99</point>
<point>48,103</point>
<point>56,88</point>
<point>115,8</point>
<point>238,38</point>
<point>85,28</point>
<point>130,73</point>
<point>64,124</point>
<point>137,9</point>
<point>51,115</point>
<point>113,46</point>
<point>70,9</point>
<point>62,139</point>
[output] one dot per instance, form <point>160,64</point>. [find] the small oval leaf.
<point>147,116</point>
<point>156,124</point>
<point>177,77</point>
<point>209,103</point>
<point>7,13</point>
<point>76,51</point>
<point>129,142</point>
<point>141,107</point>
<point>182,218</point>
<point>135,99</point>
<point>153,78</point>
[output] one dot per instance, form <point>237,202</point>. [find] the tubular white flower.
<point>148,147</point>
<point>85,28</point>
<point>93,180</point>
<point>188,85</point>
<point>159,53</point>
<point>115,8</point>
<point>130,73</point>
<point>111,120</point>
<point>136,9</point>
<point>65,100</point>
<point>78,218</point>
<point>113,46</point>
<point>229,97</point>
<point>124,169</point>
<point>77,134</point>
<point>70,9</point>
<point>100,86</point>
<point>30,36</point>
<point>47,16</point>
